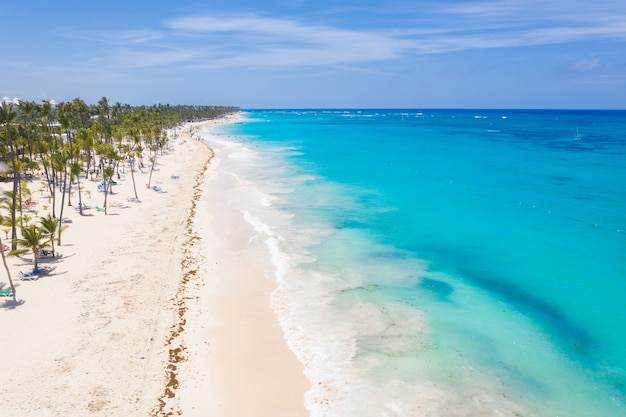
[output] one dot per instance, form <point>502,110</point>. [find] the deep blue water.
<point>445,262</point>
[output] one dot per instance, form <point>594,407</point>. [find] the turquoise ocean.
<point>443,262</point>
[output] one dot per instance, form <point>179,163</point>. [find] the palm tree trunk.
<point>106,192</point>
<point>132,175</point>
<point>80,197</point>
<point>14,198</point>
<point>69,193</point>
<point>19,190</point>
<point>52,242</point>
<point>36,258</point>
<point>61,209</point>
<point>151,170</point>
<point>6,267</point>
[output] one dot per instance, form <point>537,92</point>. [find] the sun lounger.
<point>6,293</point>
<point>28,276</point>
<point>46,254</point>
<point>42,270</point>
<point>99,208</point>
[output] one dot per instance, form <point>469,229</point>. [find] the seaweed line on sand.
<point>174,343</point>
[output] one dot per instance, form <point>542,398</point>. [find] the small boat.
<point>578,137</point>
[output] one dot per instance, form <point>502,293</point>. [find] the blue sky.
<point>324,53</point>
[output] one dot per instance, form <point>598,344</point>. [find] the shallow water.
<point>443,263</point>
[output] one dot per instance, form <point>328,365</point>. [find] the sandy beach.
<point>152,309</point>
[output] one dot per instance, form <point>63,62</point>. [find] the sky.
<point>549,54</point>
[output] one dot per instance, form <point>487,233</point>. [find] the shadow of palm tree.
<point>11,304</point>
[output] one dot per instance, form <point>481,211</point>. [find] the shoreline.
<point>109,332</point>
<point>239,356</point>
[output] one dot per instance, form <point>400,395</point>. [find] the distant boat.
<point>578,137</point>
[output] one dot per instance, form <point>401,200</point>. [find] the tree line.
<point>64,142</point>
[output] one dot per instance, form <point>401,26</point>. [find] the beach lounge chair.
<point>42,270</point>
<point>45,254</point>
<point>99,208</point>
<point>28,276</point>
<point>6,293</point>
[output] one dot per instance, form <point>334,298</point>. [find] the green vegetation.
<point>62,143</point>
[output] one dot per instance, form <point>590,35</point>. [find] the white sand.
<point>152,310</point>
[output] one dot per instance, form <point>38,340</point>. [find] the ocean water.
<point>440,262</point>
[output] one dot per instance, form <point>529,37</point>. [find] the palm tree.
<point>103,122</point>
<point>139,152</point>
<point>6,266</point>
<point>75,173</point>
<point>59,161</point>
<point>49,225</point>
<point>129,155</point>
<point>85,142</point>
<point>19,168</point>
<point>153,160</point>
<point>107,174</point>
<point>33,239</point>
<point>8,116</point>
<point>132,173</point>
<point>6,200</point>
<point>29,111</point>
<point>108,154</point>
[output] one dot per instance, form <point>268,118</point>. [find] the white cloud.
<point>139,36</point>
<point>134,36</point>
<point>252,41</point>
<point>586,64</point>
<point>236,24</point>
<point>513,23</point>
<point>267,42</point>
